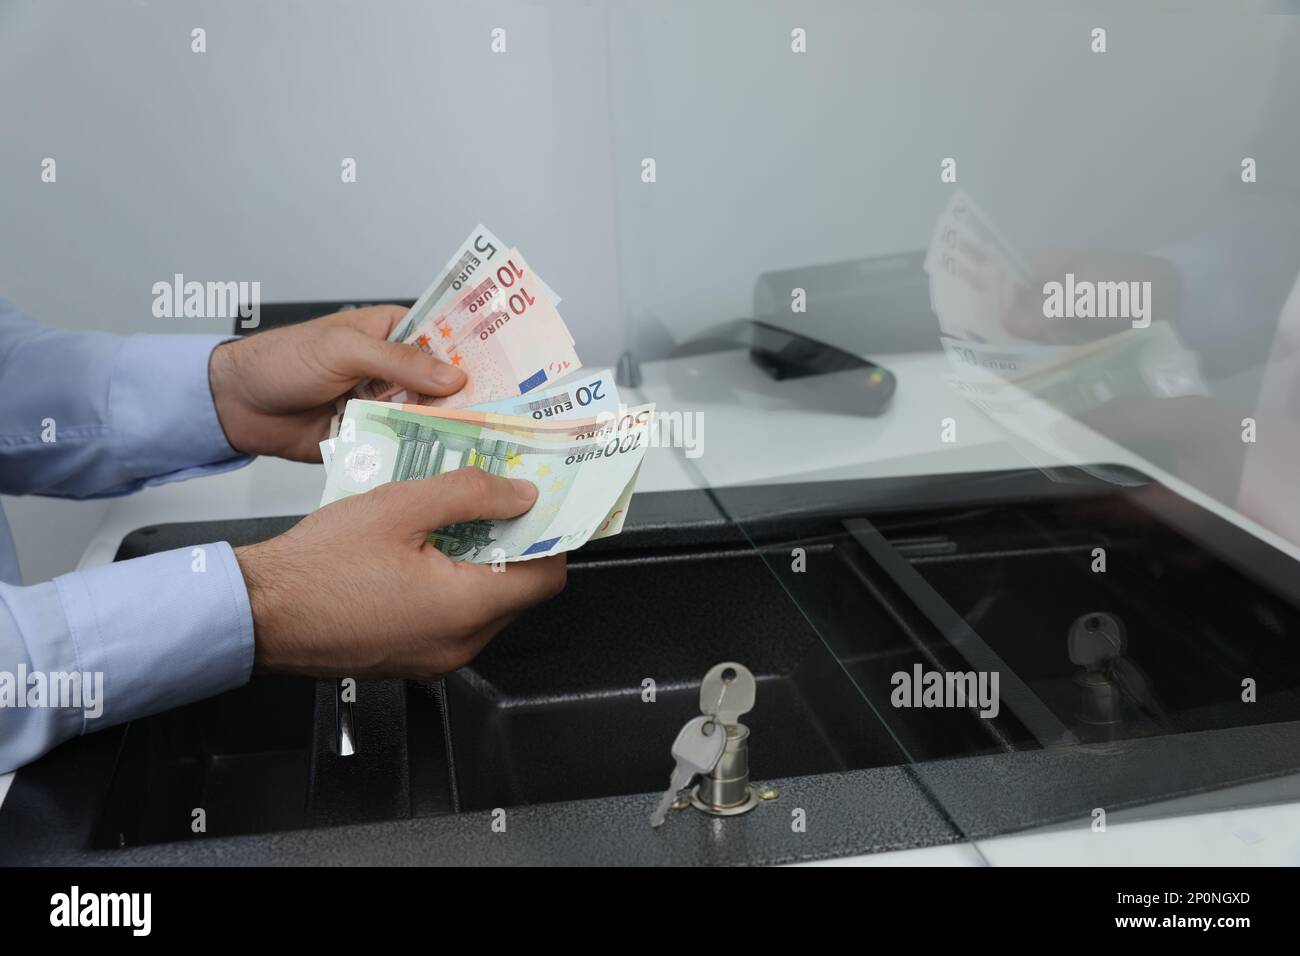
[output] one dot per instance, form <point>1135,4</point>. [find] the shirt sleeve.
<point>113,643</point>
<point>88,414</point>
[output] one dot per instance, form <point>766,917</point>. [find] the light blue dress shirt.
<point>85,415</point>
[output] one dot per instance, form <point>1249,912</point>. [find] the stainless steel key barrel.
<point>727,786</point>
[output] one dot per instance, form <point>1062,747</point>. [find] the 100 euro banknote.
<point>583,470</point>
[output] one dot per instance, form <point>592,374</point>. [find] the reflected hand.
<point>1026,320</point>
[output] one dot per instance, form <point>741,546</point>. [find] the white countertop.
<point>742,410</point>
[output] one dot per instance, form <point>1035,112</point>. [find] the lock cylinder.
<point>715,747</point>
<point>727,787</point>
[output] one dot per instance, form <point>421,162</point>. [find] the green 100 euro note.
<point>584,470</point>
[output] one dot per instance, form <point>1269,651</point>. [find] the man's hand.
<point>275,391</point>
<point>355,589</point>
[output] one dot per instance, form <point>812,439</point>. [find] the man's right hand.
<point>355,590</point>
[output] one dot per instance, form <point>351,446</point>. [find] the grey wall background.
<point>226,165</point>
<point>770,161</point>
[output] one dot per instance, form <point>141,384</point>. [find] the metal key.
<point>727,692</point>
<point>1096,639</point>
<point>697,749</point>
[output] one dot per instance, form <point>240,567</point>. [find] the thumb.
<point>466,494</point>
<point>402,364</point>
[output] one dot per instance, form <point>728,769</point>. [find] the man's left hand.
<point>275,391</point>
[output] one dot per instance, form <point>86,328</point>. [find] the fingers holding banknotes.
<point>355,589</point>
<point>275,391</point>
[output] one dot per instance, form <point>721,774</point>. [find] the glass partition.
<point>981,324</point>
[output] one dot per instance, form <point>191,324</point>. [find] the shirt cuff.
<point>161,409</point>
<point>164,630</point>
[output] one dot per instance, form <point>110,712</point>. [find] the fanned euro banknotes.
<point>527,410</point>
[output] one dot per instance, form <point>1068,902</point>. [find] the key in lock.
<point>715,747</point>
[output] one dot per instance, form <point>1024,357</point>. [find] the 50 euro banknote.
<point>584,469</point>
